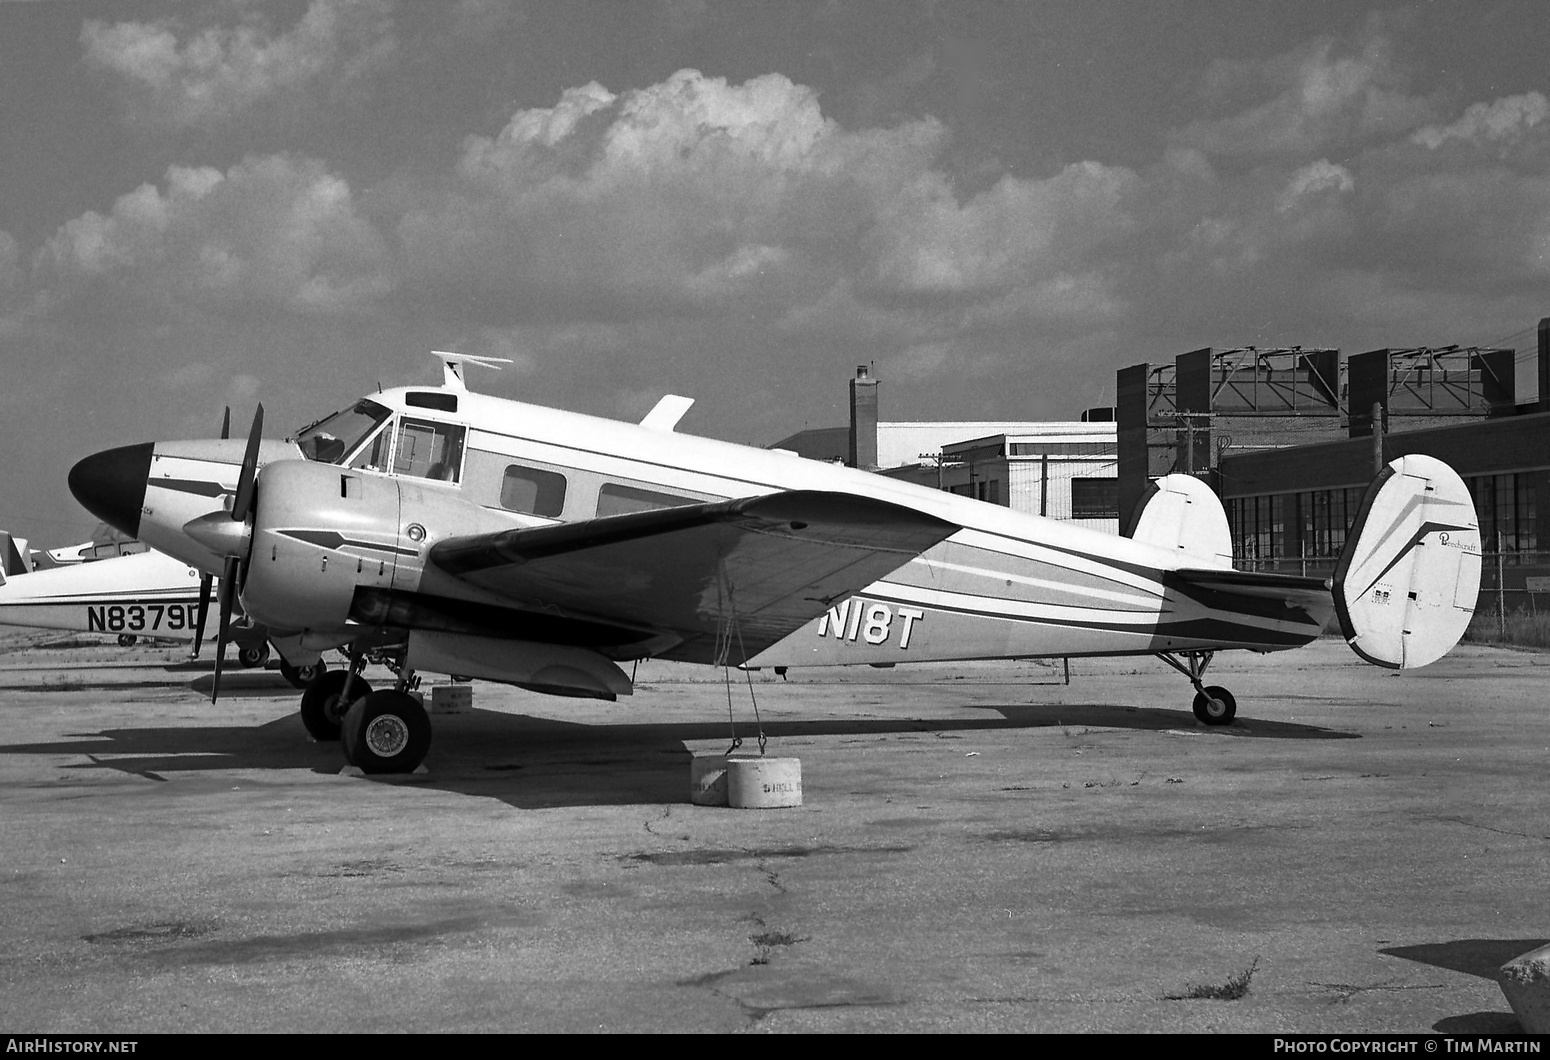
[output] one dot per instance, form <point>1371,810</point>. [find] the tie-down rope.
<point>726,629</point>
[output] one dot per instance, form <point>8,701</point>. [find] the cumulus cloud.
<point>1305,100</point>
<point>695,196</point>
<point>10,266</point>
<point>177,76</point>
<point>1504,119</point>
<point>271,231</point>
<point>638,235</point>
<point>1315,179</point>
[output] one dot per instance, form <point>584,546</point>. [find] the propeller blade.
<point>204,613</point>
<point>226,596</point>
<point>226,424</point>
<point>243,502</point>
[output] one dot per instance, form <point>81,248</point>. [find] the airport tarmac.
<point>981,847</point>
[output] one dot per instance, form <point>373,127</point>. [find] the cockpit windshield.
<point>332,438</point>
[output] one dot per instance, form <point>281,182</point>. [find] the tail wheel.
<point>386,732</point>
<point>127,640</point>
<point>1215,706</point>
<point>322,708</point>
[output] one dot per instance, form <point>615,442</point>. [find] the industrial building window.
<point>1095,498</point>
<point>534,491</point>
<point>1326,519</point>
<point>1259,529</point>
<point>1508,512</point>
<point>616,499</point>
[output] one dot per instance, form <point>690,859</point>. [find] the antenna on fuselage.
<point>452,366</point>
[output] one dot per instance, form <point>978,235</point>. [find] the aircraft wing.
<point>752,570</point>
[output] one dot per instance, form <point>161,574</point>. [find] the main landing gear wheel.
<point>1215,705</point>
<point>302,676</point>
<point>127,640</point>
<point>386,732</point>
<point>321,710</point>
<point>253,655</point>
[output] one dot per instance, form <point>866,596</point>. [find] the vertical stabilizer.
<point>1408,577</point>
<point>13,556</point>
<point>1183,515</point>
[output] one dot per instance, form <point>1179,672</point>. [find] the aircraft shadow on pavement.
<point>235,683</point>
<point>1153,719</point>
<point>532,762</point>
<point>1481,957</point>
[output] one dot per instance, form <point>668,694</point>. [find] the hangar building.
<point>1064,470</point>
<point>1289,439</point>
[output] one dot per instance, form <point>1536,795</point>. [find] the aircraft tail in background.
<point>1407,580</point>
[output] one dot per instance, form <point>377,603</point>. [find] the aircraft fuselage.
<point>341,546</point>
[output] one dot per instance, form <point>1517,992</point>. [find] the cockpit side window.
<point>334,437</point>
<point>373,456</point>
<point>426,449</point>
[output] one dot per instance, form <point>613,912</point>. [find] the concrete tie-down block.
<point>1526,982</point>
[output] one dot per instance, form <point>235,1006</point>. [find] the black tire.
<point>302,676</point>
<point>1215,706</point>
<point>251,655</point>
<point>386,732</point>
<point>127,640</point>
<point>321,710</point>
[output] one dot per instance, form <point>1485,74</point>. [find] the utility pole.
<point>1377,437</point>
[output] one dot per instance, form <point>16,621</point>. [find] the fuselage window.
<point>534,491</point>
<point>428,450</point>
<point>615,499</point>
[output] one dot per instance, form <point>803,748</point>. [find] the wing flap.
<point>753,570</point>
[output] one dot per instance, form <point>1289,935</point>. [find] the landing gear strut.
<point>387,731</point>
<point>1214,705</point>
<point>327,699</point>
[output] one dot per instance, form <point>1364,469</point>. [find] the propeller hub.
<point>221,534</point>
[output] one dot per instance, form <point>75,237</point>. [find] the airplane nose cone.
<point>111,485</point>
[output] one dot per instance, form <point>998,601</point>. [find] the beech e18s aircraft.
<point>450,532</point>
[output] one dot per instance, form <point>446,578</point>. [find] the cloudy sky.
<point>996,203</point>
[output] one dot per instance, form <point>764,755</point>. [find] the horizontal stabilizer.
<point>1408,577</point>
<point>1183,515</point>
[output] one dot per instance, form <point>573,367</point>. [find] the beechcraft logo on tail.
<point>870,621</point>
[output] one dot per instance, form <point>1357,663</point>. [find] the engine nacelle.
<point>335,548</point>
<point>319,532</point>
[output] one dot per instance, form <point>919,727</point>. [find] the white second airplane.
<point>132,595</point>
<point>452,532</point>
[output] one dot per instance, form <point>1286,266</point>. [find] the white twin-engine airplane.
<point>451,532</point>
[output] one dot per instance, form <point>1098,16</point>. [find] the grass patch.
<point>768,941</point>
<point>1236,987</point>
<point>1522,628</point>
